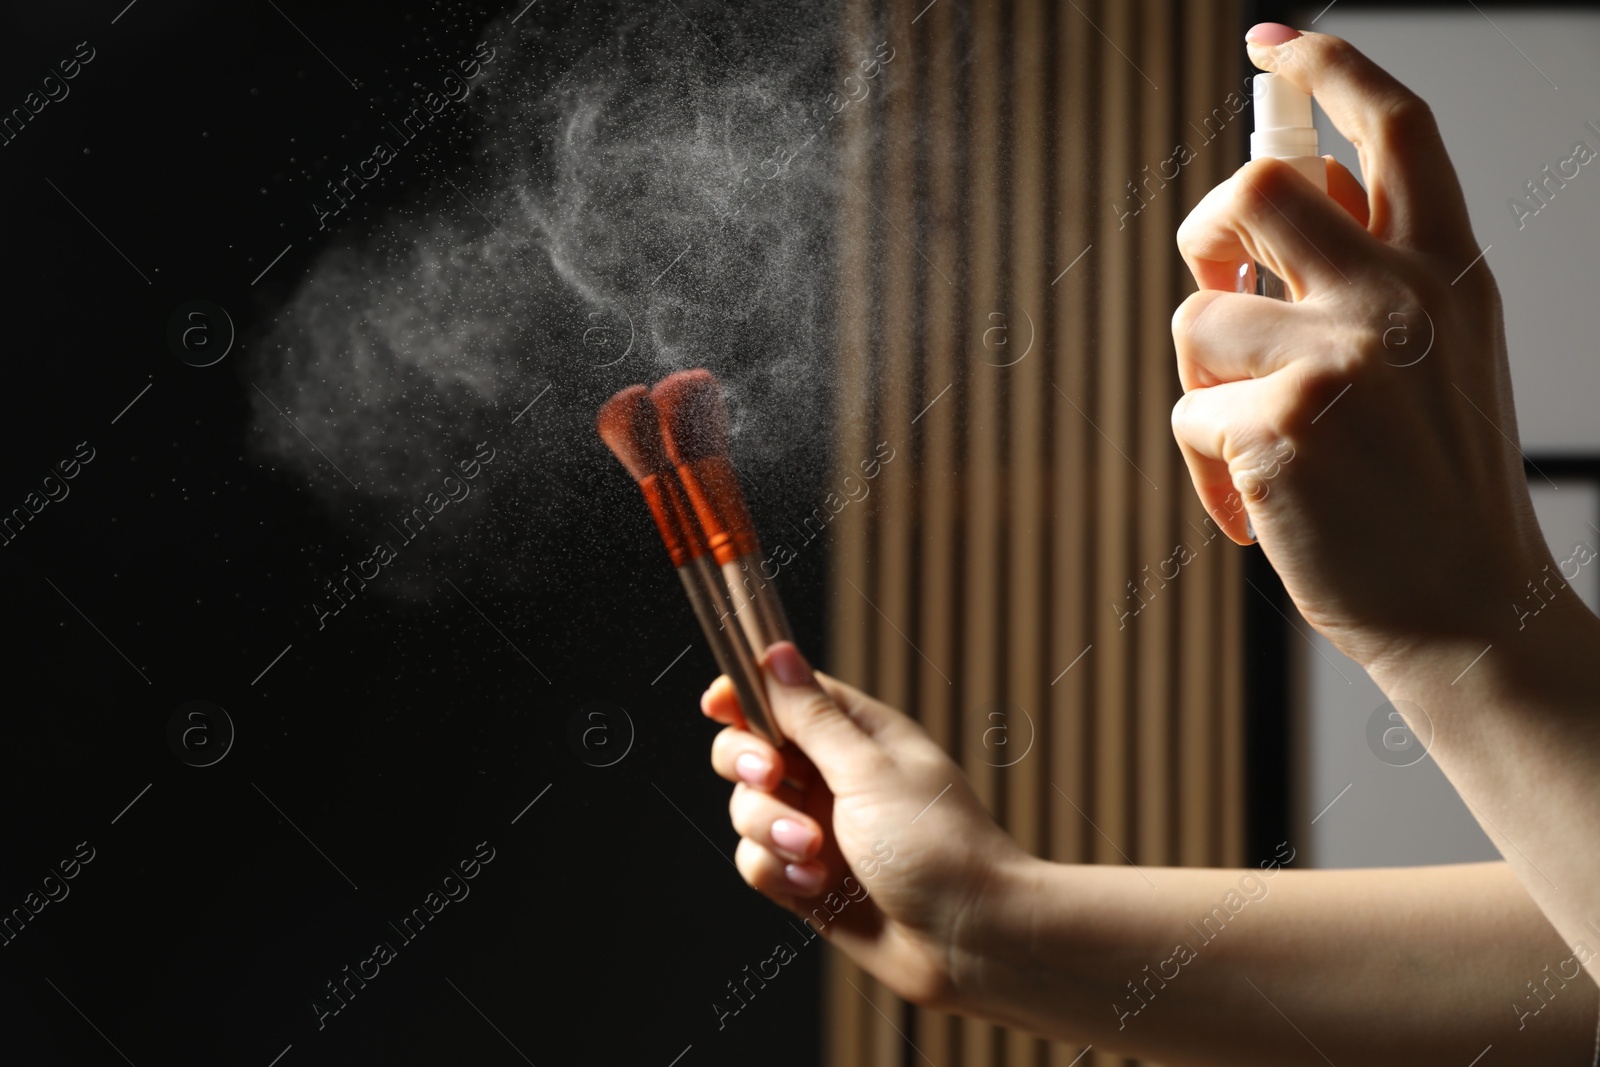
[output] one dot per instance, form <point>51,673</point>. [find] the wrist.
<point>1528,658</point>
<point>993,940</point>
<point>1506,582</point>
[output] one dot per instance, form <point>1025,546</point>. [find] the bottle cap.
<point>1283,126</point>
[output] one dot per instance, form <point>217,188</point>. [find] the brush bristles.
<point>630,428</point>
<point>694,415</point>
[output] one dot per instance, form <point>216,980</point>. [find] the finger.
<point>875,718</point>
<point>1415,197</point>
<point>777,878</point>
<point>740,756</point>
<point>1347,192</point>
<point>779,827</point>
<point>1224,337</point>
<point>1268,213</point>
<point>1222,444</point>
<point>844,754</point>
<point>720,703</point>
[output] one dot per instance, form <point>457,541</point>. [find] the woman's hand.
<point>1367,427</point>
<point>899,865</point>
<point>876,837</point>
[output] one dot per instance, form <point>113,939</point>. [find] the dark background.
<point>376,753</point>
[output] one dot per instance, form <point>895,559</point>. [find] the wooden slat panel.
<point>1003,538</point>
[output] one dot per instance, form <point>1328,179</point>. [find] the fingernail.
<point>1270,34</point>
<point>752,768</point>
<point>794,838</point>
<point>1265,43</point>
<point>787,665</point>
<point>1249,528</point>
<point>804,876</point>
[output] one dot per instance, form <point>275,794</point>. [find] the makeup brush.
<point>694,426</point>
<point>630,427</point>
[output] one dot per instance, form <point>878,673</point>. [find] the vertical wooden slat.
<point>1076,266</point>
<point>1155,648</point>
<point>1199,659</point>
<point>849,626</point>
<point>1111,410</point>
<point>936,49</point>
<point>1230,151</point>
<point>936,46</point>
<point>1155,390</point>
<point>983,600</point>
<point>893,111</point>
<point>896,268</point>
<point>1230,731</point>
<point>1075,604</point>
<point>1028,396</point>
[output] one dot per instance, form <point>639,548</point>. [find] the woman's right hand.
<point>876,836</point>
<point>1398,515</point>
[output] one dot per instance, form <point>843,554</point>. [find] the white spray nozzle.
<point>1283,126</point>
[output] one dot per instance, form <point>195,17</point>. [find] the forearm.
<point>1193,966</point>
<point>1515,716</point>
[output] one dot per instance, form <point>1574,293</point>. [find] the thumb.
<point>842,751</point>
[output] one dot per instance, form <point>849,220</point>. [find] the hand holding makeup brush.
<point>869,834</point>
<point>874,803</point>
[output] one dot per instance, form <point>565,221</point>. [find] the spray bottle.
<point>1283,131</point>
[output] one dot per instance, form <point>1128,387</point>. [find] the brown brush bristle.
<point>694,416</point>
<point>630,428</point>
<point>694,425</point>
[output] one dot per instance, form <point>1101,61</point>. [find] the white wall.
<point>1502,121</point>
<point>1392,815</point>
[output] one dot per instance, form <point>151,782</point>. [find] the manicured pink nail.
<point>806,877</point>
<point>752,768</point>
<point>792,837</point>
<point>1270,33</point>
<point>787,665</point>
